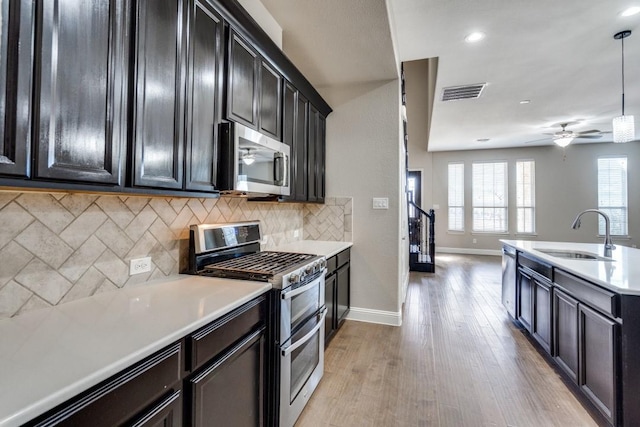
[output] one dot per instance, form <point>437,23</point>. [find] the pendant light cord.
<point>622,40</point>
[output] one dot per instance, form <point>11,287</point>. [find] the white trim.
<point>405,288</point>
<point>468,251</point>
<point>375,316</point>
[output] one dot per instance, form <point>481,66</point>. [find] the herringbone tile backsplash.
<point>58,247</point>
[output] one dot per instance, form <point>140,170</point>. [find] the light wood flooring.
<point>457,360</point>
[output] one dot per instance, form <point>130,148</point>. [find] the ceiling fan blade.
<point>537,140</point>
<point>589,136</point>
<point>584,132</point>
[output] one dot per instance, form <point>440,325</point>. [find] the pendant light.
<point>623,126</point>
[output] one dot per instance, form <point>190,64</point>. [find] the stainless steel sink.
<point>575,255</point>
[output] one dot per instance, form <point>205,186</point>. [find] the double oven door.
<point>302,314</point>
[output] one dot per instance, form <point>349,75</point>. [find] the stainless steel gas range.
<point>298,306</point>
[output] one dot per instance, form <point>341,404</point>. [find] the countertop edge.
<point>326,248</point>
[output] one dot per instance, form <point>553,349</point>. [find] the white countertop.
<point>621,274</point>
<point>316,247</point>
<point>48,356</point>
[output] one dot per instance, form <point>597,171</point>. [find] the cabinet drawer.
<point>221,334</point>
<point>344,257</point>
<point>332,264</point>
<point>122,397</point>
<point>588,293</point>
<point>536,265</point>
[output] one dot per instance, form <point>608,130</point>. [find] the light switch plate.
<point>140,265</point>
<point>380,203</point>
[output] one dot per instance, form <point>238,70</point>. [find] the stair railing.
<point>421,238</point>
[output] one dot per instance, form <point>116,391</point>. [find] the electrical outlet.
<point>139,265</point>
<point>436,207</point>
<point>380,203</point>
<point>475,240</point>
<point>296,234</point>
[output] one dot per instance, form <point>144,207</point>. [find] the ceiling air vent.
<point>454,93</point>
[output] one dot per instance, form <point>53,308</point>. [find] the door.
<point>414,194</point>
<point>299,179</point>
<point>565,324</point>
<point>205,72</point>
<point>159,118</point>
<point>343,283</point>
<point>80,123</point>
<point>509,279</point>
<point>525,299</point>
<point>16,50</point>
<point>300,304</point>
<point>230,392</point>
<point>541,326</point>
<point>167,413</point>
<point>597,379</point>
<point>270,106</point>
<point>242,82</point>
<point>312,190</point>
<point>330,303</point>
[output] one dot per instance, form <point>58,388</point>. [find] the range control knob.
<point>308,269</point>
<point>294,278</point>
<point>323,263</point>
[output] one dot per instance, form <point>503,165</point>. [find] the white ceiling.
<point>560,54</point>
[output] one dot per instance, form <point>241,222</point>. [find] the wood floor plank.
<point>457,360</point>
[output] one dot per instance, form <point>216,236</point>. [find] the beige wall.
<point>566,183</point>
<point>363,159</point>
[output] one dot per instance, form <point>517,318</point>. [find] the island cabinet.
<point>254,89</point>
<point>16,51</point>
<point>337,292</point>
<point>80,125</point>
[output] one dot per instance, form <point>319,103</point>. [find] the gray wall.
<point>566,183</point>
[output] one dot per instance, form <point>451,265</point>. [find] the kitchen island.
<point>51,355</point>
<point>582,309</point>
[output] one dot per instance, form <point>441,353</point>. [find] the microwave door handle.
<point>278,168</point>
<point>297,291</point>
<point>287,351</point>
<point>285,168</point>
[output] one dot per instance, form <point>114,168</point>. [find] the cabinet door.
<point>320,157</point>
<point>230,392</point>
<point>565,325</point>
<point>299,152</point>
<point>160,76</point>
<point>525,300</point>
<point>168,413</point>
<point>16,53</point>
<point>329,301</point>
<point>270,105</point>
<point>541,326</point>
<point>598,335</point>
<point>242,82</point>
<point>205,47</point>
<point>81,125</point>
<point>343,285</point>
<point>312,173</point>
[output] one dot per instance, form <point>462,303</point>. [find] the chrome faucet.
<point>608,243</point>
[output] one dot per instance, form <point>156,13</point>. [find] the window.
<point>525,196</point>
<point>456,196</point>
<point>612,193</point>
<point>489,194</point>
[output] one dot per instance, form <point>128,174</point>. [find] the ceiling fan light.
<point>563,141</point>
<point>623,129</point>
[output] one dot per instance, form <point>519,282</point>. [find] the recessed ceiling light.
<point>474,37</point>
<point>631,11</point>
<point>483,139</point>
<point>525,101</point>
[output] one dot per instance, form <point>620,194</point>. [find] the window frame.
<point>608,207</point>
<point>504,206</point>
<point>521,196</point>
<point>451,206</point>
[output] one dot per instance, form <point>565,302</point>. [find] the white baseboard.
<point>467,251</point>
<point>375,316</point>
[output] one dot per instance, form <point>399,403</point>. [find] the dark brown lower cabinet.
<point>329,300</point>
<point>525,299</point>
<point>565,324</point>
<point>337,293</point>
<point>597,354</point>
<point>230,391</point>
<point>167,413</point>
<point>343,283</point>
<point>541,325</point>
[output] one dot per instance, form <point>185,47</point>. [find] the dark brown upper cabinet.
<point>204,95</point>
<point>80,123</point>
<point>242,82</point>
<point>160,68</point>
<point>270,117</point>
<point>316,156</point>
<point>16,55</point>
<point>254,89</point>
<point>294,133</point>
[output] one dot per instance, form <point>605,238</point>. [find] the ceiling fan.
<point>564,136</point>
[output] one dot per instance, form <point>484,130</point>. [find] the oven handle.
<point>301,289</point>
<point>287,351</point>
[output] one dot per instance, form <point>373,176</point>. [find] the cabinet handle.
<point>301,289</point>
<point>287,351</point>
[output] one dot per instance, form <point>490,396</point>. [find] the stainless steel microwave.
<point>252,163</point>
